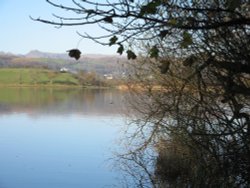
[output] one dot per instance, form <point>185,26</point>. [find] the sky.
<point>19,34</point>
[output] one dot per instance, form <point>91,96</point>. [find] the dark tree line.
<point>191,61</point>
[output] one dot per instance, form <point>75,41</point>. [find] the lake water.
<point>58,138</point>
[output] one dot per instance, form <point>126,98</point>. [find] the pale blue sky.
<point>19,34</point>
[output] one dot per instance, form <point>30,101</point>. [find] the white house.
<point>63,69</point>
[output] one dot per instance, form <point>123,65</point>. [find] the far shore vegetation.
<point>40,77</point>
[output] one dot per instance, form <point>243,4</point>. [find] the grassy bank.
<point>35,77</point>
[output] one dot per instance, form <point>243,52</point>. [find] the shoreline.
<point>54,86</point>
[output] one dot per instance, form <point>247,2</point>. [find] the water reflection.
<point>56,101</point>
<point>67,146</point>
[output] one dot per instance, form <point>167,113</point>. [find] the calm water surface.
<point>57,138</point>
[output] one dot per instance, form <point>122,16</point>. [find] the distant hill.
<point>101,64</point>
<point>39,54</point>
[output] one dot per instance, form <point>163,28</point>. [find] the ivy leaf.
<point>112,40</point>
<point>120,49</point>
<point>154,52</point>
<point>74,53</point>
<point>172,22</point>
<point>163,33</point>
<point>233,4</point>
<point>131,54</point>
<point>186,40</point>
<point>150,8</point>
<point>108,19</point>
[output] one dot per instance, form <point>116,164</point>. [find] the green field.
<point>35,77</point>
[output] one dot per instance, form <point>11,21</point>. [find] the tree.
<point>89,78</point>
<point>130,20</point>
<point>188,119</point>
<point>198,53</point>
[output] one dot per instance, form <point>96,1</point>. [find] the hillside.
<point>101,64</point>
<point>35,77</point>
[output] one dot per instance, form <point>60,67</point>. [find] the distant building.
<point>108,76</point>
<point>63,69</point>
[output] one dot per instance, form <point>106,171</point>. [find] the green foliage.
<point>232,4</point>
<point>150,8</point>
<point>186,40</point>
<point>154,52</point>
<point>173,22</point>
<point>90,79</point>
<point>163,33</point>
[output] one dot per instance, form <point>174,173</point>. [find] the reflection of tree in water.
<point>88,96</point>
<point>60,101</point>
<point>4,108</point>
